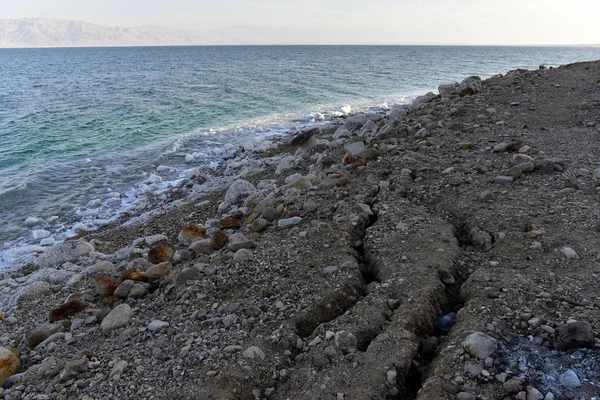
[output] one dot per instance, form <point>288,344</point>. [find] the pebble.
<point>472,368</point>
<point>504,180</point>
<point>254,352</point>
<point>270,214</point>
<point>480,345</point>
<point>570,380</point>
<point>288,222</point>
<point>574,335</point>
<point>534,394</point>
<point>117,318</point>
<point>447,322</point>
<point>569,253</point>
<point>259,225</point>
<point>514,385</point>
<point>157,325</point>
<point>465,396</point>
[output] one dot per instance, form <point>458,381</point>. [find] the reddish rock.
<point>134,274</point>
<point>10,363</point>
<point>66,311</point>
<point>230,223</point>
<point>160,253</point>
<point>106,285</point>
<point>219,240</point>
<point>191,233</point>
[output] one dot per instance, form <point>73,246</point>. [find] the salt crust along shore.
<point>321,269</point>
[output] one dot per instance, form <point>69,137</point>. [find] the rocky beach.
<point>446,249</point>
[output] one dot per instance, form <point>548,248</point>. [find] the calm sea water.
<point>78,125</point>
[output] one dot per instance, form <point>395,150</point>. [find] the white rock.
<point>480,345</point>
<point>286,223</point>
<point>238,191</point>
<point>157,325</point>
<point>40,233</point>
<point>286,164</point>
<point>569,380</point>
<point>569,253</point>
<point>189,158</point>
<point>31,221</point>
<point>254,352</point>
<point>354,148</point>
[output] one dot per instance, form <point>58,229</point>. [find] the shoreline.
<point>341,254</point>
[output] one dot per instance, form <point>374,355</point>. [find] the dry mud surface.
<point>346,301</point>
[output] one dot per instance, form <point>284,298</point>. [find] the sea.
<point>87,134</point>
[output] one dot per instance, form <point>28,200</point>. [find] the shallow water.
<point>82,127</point>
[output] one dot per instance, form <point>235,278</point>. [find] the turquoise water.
<point>78,125</point>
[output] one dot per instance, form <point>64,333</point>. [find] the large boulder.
<point>574,335</point>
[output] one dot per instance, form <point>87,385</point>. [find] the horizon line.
<point>589,45</point>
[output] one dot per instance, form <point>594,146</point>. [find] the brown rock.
<point>67,310</point>
<point>191,233</point>
<point>134,274</point>
<point>160,253</point>
<point>10,363</point>
<point>106,285</point>
<point>230,223</point>
<point>156,271</point>
<point>514,146</point>
<point>219,240</point>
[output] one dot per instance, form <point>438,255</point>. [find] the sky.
<point>495,22</point>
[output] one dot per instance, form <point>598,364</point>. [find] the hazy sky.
<point>351,21</point>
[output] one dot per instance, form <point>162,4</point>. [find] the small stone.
<point>117,318</point>
<point>289,222</point>
<point>345,341</point>
<point>157,271</point>
<point>190,233</point>
<point>574,335</point>
<point>472,368</point>
<point>486,195</point>
<point>270,214</point>
<point>569,380</point>
<point>254,352</point>
<point>160,253</point>
<point>106,285</point>
<point>450,388</point>
<point>354,148</point>
<point>391,376</point>
<point>139,290</point>
<point>243,255</point>
<point>514,385</point>
<point>36,336</point>
<point>569,253</point>
<point>465,396</point>
<point>157,325</point>
<point>504,180</point>
<point>123,290</point>
<point>259,225</point>
<point>515,172</point>
<point>202,246</point>
<point>10,363</point>
<point>500,148</point>
<point>309,206</point>
<point>188,274</point>
<point>320,360</point>
<point>480,345</point>
<point>219,240</point>
<point>534,394</point>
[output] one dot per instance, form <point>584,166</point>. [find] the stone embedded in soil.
<point>354,148</point>
<point>238,241</point>
<point>188,274</point>
<point>569,253</point>
<point>157,325</point>
<point>254,352</point>
<point>574,335</point>
<point>480,345</point>
<point>289,222</point>
<point>190,233</point>
<point>117,318</point>
<point>160,253</point>
<point>504,180</point>
<point>465,396</point>
<point>534,394</point>
<point>345,341</point>
<point>229,223</point>
<point>134,274</point>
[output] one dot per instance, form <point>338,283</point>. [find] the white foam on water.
<point>213,148</point>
